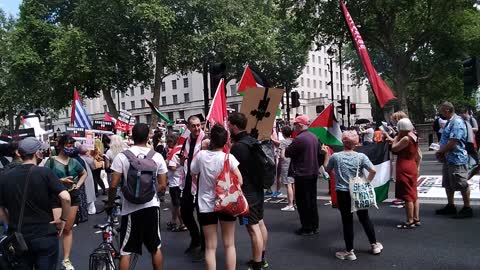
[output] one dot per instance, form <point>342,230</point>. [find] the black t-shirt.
<point>241,151</point>
<point>44,185</point>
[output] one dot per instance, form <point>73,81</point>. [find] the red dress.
<point>407,172</point>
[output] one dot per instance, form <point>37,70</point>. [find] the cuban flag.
<point>79,116</point>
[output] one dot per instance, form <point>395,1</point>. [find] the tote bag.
<point>229,198</point>
<point>361,192</point>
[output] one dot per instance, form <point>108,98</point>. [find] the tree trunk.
<point>159,66</point>
<point>400,81</point>
<point>11,118</point>
<point>110,103</point>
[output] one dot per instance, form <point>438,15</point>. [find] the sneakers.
<point>265,264</point>
<point>346,255</point>
<point>466,212</point>
<point>288,208</point>
<point>67,265</point>
<point>377,248</point>
<point>449,209</point>
<point>275,194</point>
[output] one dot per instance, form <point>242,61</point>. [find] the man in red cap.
<point>304,168</point>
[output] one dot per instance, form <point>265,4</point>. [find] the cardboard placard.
<point>260,107</point>
<point>103,125</point>
<point>122,126</point>
<point>75,132</point>
<point>21,134</point>
<point>89,139</point>
<point>124,116</point>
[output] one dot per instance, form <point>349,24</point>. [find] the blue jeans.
<point>42,254</point>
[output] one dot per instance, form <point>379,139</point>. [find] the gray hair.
<point>447,105</point>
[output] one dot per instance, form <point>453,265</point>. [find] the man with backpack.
<point>140,172</point>
<point>304,166</point>
<point>253,187</point>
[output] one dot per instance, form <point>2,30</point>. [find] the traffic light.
<point>353,108</point>
<point>295,99</point>
<point>217,72</point>
<point>319,108</point>
<point>471,73</point>
<point>341,108</point>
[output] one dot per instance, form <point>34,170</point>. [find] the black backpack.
<point>141,184</point>
<point>264,161</point>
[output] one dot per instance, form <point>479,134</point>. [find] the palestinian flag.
<point>379,155</point>
<point>326,127</point>
<point>158,113</point>
<point>249,79</point>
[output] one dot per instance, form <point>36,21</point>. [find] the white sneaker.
<point>377,248</point>
<point>67,265</point>
<point>345,255</point>
<point>288,208</point>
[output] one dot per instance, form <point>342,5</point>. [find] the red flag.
<point>178,147</point>
<point>380,88</point>
<point>218,110</point>
<point>108,118</point>
<point>76,97</point>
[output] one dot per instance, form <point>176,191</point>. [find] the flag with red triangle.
<point>218,110</point>
<point>326,127</point>
<point>249,79</point>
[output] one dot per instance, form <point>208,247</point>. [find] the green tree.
<point>414,44</point>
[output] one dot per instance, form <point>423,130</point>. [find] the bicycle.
<point>106,256</point>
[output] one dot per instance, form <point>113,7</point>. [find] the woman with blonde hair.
<point>345,164</point>
<point>98,161</point>
<point>405,146</point>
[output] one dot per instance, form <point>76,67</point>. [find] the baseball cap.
<point>31,145</point>
<point>302,119</point>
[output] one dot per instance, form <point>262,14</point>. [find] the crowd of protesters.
<point>62,191</point>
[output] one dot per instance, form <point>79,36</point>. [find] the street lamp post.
<point>341,75</point>
<point>331,54</point>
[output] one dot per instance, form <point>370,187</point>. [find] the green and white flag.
<point>326,127</point>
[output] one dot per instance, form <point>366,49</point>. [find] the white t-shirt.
<point>121,165</point>
<point>209,164</point>
<point>368,135</point>
<point>110,155</point>
<point>174,177</point>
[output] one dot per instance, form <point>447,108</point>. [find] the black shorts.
<point>255,207</point>
<point>175,196</point>
<point>74,198</point>
<point>140,227</point>
<point>212,218</point>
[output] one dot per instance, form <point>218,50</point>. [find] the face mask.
<point>70,151</point>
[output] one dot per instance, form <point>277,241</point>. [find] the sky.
<point>10,6</point>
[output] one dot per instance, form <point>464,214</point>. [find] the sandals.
<point>417,223</point>
<point>406,225</point>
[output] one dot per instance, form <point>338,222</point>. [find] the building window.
<point>314,83</point>
<point>105,108</point>
<point>308,82</point>
<point>142,90</point>
<point>314,94</point>
<point>163,86</point>
<point>314,71</point>
<point>325,61</point>
<point>336,75</point>
<point>313,58</point>
<point>132,104</point>
<point>303,94</point>
<point>132,91</point>
<point>348,88</point>
<point>174,84</point>
<point>338,97</point>
<point>148,118</point>
<point>326,85</point>
<point>185,82</point>
<point>175,99</point>
<point>233,89</point>
<point>319,60</point>
<point>123,105</point>
<point>181,114</point>
<point>164,100</point>
<point>326,76</point>
<point>308,95</point>
<point>170,115</point>
<point>308,70</point>
<point>320,85</point>
<point>304,109</point>
<point>186,97</point>
<point>142,103</point>
<point>301,81</point>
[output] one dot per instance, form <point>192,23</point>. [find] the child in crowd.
<point>175,171</point>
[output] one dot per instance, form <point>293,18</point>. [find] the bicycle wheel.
<point>101,259</point>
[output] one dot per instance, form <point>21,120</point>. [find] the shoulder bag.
<point>13,247</point>
<point>361,192</point>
